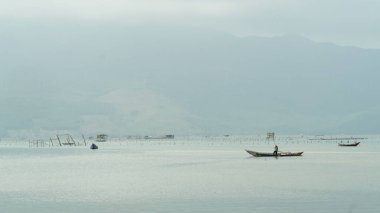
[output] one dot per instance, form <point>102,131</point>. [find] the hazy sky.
<point>351,22</point>
<point>149,66</point>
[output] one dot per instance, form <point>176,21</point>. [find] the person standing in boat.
<point>275,153</point>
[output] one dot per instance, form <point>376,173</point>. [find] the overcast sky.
<point>352,22</point>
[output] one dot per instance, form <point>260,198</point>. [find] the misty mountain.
<point>177,80</point>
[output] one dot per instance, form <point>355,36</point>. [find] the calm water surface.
<point>191,175</point>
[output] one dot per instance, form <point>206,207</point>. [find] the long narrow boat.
<point>349,144</point>
<point>269,154</point>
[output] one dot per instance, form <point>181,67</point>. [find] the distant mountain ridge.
<point>166,80</point>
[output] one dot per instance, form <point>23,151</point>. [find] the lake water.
<point>191,175</point>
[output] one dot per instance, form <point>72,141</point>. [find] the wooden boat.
<point>349,144</point>
<point>270,154</point>
<point>93,146</point>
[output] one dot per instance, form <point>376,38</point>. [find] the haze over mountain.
<point>125,80</point>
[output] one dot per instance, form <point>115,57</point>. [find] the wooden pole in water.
<point>84,140</point>
<point>73,140</point>
<point>59,141</point>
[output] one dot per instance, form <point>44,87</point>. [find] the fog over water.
<point>215,75</point>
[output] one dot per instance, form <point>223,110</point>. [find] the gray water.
<point>191,175</point>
